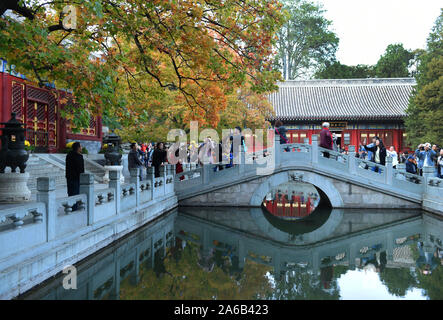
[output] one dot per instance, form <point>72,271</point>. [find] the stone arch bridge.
<point>344,180</point>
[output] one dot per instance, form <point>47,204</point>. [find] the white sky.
<point>366,285</point>
<point>366,28</point>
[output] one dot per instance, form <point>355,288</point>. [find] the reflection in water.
<point>292,200</point>
<point>208,253</point>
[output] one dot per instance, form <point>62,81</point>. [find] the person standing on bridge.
<point>424,155</point>
<point>281,131</point>
<point>393,154</point>
<point>74,167</point>
<point>134,161</point>
<point>379,153</point>
<point>440,165</point>
<point>326,139</point>
<point>158,158</point>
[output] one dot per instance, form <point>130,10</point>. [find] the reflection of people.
<point>206,259</point>
<point>427,261</point>
<point>326,276</point>
<point>376,261</point>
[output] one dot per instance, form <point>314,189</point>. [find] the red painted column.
<point>1,96</point>
<point>6,97</point>
<point>396,139</point>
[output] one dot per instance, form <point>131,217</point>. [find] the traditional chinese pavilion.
<point>39,109</point>
<point>356,109</point>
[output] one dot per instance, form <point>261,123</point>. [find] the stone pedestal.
<point>113,168</point>
<point>13,187</point>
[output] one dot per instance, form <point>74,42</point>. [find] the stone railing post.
<point>150,176</point>
<point>134,172</point>
<point>277,150</point>
<point>241,165</point>
<point>389,171</point>
<point>163,176</point>
<point>352,167</point>
<point>428,173</point>
<point>314,150</point>
<point>114,182</point>
<point>87,187</point>
<point>171,168</point>
<point>205,173</point>
<point>46,194</point>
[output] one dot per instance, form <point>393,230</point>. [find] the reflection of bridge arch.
<point>313,236</point>
<point>279,255</point>
<point>320,182</point>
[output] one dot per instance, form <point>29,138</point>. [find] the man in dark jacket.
<point>326,138</point>
<point>74,166</point>
<point>281,131</point>
<point>134,160</point>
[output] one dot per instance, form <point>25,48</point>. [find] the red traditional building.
<point>356,109</point>
<point>40,109</point>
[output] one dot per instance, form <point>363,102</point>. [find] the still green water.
<point>230,253</point>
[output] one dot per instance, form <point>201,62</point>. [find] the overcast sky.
<point>366,28</point>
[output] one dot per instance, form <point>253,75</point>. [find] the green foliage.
<point>305,41</point>
<point>336,70</point>
<point>180,276</point>
<point>394,63</point>
<point>432,283</point>
<point>397,280</point>
<point>30,148</point>
<point>124,57</point>
<point>425,111</point>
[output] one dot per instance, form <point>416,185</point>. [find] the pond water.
<point>231,253</point>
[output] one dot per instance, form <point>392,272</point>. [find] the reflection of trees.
<point>432,283</point>
<point>397,280</point>
<point>183,279</point>
<point>302,284</point>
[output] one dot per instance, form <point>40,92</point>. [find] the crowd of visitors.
<point>425,155</point>
<point>144,155</point>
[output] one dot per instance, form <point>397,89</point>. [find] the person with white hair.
<point>326,140</point>
<point>393,154</point>
<point>425,156</point>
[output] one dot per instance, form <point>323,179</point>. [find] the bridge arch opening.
<point>293,201</point>
<point>328,195</point>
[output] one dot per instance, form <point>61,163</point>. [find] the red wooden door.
<point>41,118</point>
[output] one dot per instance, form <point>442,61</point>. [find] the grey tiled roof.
<point>350,99</point>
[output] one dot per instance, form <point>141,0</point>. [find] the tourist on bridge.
<point>411,164</point>
<point>436,149</point>
<point>440,165</point>
<point>335,147</point>
<point>281,131</point>
<point>237,139</point>
<point>326,139</point>
<point>74,167</point>
<point>403,157</point>
<point>378,153</point>
<point>393,154</point>
<point>134,160</point>
<point>159,158</point>
<point>425,155</point>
